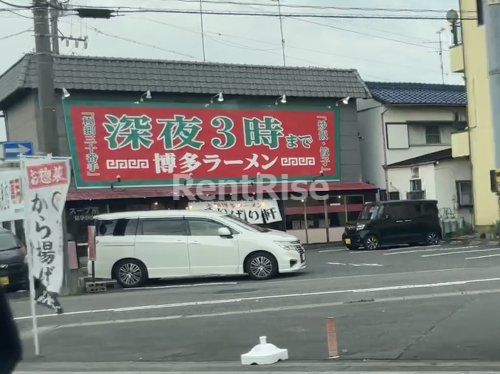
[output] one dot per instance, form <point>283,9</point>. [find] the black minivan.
<point>394,222</point>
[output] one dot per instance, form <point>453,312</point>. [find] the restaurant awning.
<point>145,192</point>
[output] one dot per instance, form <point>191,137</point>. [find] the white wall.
<point>448,172</point>
<point>373,133</point>
<point>438,181</point>
<point>399,180</point>
<point>3,133</point>
<point>371,142</point>
<point>416,132</point>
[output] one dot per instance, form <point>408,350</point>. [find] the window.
<point>394,195</point>
<point>397,136</point>
<point>117,227</point>
<point>464,193</point>
<point>432,134</point>
<point>204,227</point>
<point>369,212</point>
<point>416,185</point>
<point>397,211</point>
<point>167,226</point>
<point>430,208</point>
<point>415,172</point>
<point>480,12</point>
<point>8,241</point>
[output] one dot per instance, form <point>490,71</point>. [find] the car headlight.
<point>360,227</point>
<point>287,245</point>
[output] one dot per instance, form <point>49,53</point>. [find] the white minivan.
<point>132,247</point>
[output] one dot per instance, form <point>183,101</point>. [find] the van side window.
<point>163,226</point>
<point>117,227</point>
<point>396,211</point>
<point>430,208</point>
<point>204,227</point>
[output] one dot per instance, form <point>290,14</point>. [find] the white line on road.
<point>458,252</point>
<point>366,264</point>
<point>279,309</point>
<point>344,264</point>
<point>405,248</point>
<point>485,256</point>
<point>182,286</point>
<point>267,297</point>
<point>430,250</point>
<point>333,250</point>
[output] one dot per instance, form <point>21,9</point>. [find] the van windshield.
<point>244,224</point>
<point>369,212</point>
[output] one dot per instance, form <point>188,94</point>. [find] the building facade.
<point>130,125</point>
<point>469,57</point>
<point>405,135</point>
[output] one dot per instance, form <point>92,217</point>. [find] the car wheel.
<point>432,238</point>
<point>261,266</point>
<point>130,273</point>
<point>371,242</point>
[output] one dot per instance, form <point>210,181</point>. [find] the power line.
<point>276,47</point>
<point>125,10</point>
<point>322,7</point>
<point>365,34</point>
<point>15,34</point>
<point>139,42</point>
<point>16,5</point>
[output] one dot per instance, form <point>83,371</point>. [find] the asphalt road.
<point>399,304</point>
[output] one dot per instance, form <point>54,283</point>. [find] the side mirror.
<point>224,232</point>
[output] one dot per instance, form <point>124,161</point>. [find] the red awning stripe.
<point>131,193</point>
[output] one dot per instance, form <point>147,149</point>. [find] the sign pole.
<point>32,299</point>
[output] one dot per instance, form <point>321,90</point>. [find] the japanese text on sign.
<point>152,144</point>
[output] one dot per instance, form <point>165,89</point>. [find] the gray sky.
<point>256,40</point>
<point>411,55</point>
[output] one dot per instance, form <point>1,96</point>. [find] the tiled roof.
<point>427,158</point>
<point>418,93</point>
<point>138,75</point>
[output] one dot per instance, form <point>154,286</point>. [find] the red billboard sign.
<point>148,144</point>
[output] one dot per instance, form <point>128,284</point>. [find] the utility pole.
<point>441,53</point>
<point>492,25</point>
<point>54,16</point>
<point>202,31</point>
<point>282,35</point>
<point>46,119</point>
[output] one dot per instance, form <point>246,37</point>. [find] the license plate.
<point>347,241</point>
<point>4,281</point>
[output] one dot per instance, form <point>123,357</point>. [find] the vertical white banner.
<point>45,186</point>
<point>11,202</point>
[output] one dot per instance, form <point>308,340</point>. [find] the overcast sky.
<point>411,55</point>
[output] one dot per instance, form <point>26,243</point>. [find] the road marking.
<point>341,263</point>
<point>458,252</point>
<point>485,256</point>
<point>412,247</point>
<point>278,309</point>
<point>430,250</point>
<point>366,264</point>
<point>267,297</point>
<point>181,286</point>
<point>333,250</point>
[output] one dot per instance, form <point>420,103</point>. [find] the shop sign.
<point>254,211</point>
<point>151,144</point>
<point>84,214</point>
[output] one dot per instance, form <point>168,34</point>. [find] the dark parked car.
<point>394,222</point>
<point>13,269</point>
